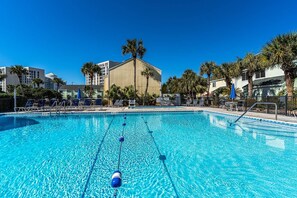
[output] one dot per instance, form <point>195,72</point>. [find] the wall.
<point>219,83</point>
<point>123,75</point>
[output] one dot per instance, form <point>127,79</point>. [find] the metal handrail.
<point>268,103</point>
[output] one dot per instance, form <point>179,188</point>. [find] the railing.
<point>267,103</point>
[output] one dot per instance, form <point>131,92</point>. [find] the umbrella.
<point>233,93</point>
<point>78,94</point>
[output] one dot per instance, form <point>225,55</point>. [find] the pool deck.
<point>282,118</point>
<point>289,119</point>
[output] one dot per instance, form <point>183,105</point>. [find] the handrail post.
<point>267,103</point>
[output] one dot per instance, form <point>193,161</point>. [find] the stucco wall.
<point>123,75</point>
<point>219,83</point>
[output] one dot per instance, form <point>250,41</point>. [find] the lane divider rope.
<point>116,179</point>
<point>95,159</point>
<point>161,157</point>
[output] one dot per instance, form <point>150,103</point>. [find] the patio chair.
<point>98,102</point>
<point>53,102</point>
<point>195,101</point>
<point>41,104</point>
<point>189,102</point>
<point>116,103</point>
<point>240,105</point>
<point>87,103</point>
<point>120,104</point>
<point>28,106</point>
<point>201,102</point>
<point>132,103</point>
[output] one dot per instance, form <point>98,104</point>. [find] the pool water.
<point>201,156</point>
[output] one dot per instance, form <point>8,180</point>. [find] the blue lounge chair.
<point>98,102</point>
<point>28,106</point>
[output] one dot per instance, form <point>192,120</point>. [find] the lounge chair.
<point>189,102</point>
<point>240,105</point>
<point>87,103</point>
<point>116,103</point>
<point>132,103</point>
<point>98,102</point>
<point>201,102</point>
<point>41,104</point>
<point>28,106</point>
<point>195,101</point>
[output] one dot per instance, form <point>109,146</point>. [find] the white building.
<point>49,81</point>
<point>267,82</point>
<point>105,66</point>
<point>12,79</point>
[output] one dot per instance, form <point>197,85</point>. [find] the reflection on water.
<point>7,123</point>
<point>273,135</point>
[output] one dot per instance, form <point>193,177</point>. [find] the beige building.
<point>123,75</point>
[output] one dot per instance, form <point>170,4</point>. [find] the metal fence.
<point>7,104</point>
<point>285,104</point>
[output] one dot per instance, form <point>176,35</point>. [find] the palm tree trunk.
<point>208,87</point>
<point>134,62</point>
<point>250,86</point>
<point>289,76</point>
<point>146,88</point>
<point>19,77</point>
<point>228,83</point>
<point>91,87</point>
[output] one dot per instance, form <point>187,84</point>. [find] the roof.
<point>131,59</point>
<point>271,81</point>
<point>81,87</point>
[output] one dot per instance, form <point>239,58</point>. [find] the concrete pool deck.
<point>282,118</point>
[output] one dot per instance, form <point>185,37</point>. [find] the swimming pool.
<point>76,155</point>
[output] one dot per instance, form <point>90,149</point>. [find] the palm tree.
<point>227,71</point>
<point>136,49</point>
<point>172,85</point>
<point>59,82</point>
<point>282,51</point>
<point>147,72</point>
<point>90,69</point>
<point>37,82</point>
<point>19,70</point>
<point>207,68</point>
<point>251,64</point>
<point>190,83</point>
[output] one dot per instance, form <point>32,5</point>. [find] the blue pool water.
<point>75,156</point>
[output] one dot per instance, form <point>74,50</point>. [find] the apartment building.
<point>12,79</point>
<point>267,82</point>
<point>123,75</point>
<point>99,79</point>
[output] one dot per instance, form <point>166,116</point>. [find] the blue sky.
<point>60,36</point>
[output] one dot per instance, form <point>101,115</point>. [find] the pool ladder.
<point>267,103</point>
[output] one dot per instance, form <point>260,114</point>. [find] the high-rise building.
<point>12,79</point>
<point>99,79</point>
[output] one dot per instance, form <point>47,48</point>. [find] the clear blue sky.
<point>60,36</point>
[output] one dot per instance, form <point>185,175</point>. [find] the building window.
<point>244,76</point>
<point>260,74</point>
<point>214,84</point>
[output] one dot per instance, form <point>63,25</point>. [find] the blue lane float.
<point>116,179</point>
<point>121,139</point>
